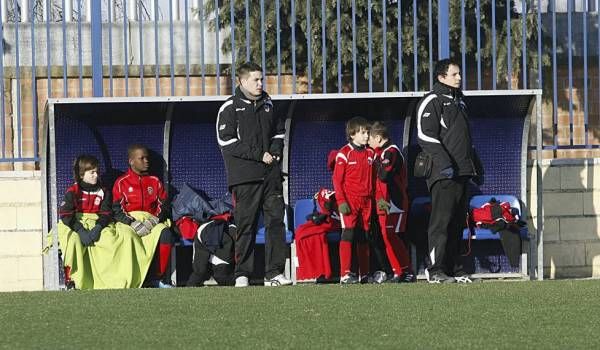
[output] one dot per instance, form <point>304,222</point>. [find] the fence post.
<point>3,8</point>
<point>443,29</point>
<point>96,19</point>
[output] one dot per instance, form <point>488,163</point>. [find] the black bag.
<point>423,165</point>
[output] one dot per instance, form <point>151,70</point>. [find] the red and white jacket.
<point>391,184</point>
<point>353,172</point>
<point>133,192</point>
<point>85,198</point>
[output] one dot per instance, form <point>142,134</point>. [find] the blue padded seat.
<point>483,233</point>
<point>302,209</point>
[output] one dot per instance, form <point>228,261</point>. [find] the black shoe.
<point>408,277</point>
<point>70,285</point>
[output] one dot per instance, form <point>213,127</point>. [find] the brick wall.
<point>20,231</point>
<point>571,200</point>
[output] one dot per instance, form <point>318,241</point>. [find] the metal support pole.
<point>3,10</point>
<point>132,10</point>
<point>175,9</point>
<point>540,189</point>
<point>68,13</point>
<point>89,7</point>
<point>45,7</point>
<point>24,10</point>
<point>96,19</point>
<point>443,29</point>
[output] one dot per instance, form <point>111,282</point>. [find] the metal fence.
<point>77,48</point>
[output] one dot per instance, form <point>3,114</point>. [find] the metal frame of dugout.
<point>180,131</point>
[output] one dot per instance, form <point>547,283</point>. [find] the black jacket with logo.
<point>247,129</point>
<point>443,133</point>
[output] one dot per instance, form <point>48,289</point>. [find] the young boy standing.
<point>353,184</point>
<point>392,200</point>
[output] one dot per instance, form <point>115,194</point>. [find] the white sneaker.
<point>242,281</point>
<point>279,280</point>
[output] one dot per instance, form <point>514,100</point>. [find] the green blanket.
<point>119,259</point>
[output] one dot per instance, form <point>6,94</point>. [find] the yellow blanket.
<point>119,259</point>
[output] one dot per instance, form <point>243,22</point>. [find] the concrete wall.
<point>20,231</point>
<point>571,201</point>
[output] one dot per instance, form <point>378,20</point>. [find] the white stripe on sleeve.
<point>420,133</point>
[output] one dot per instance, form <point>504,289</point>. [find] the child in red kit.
<point>353,184</point>
<point>391,200</point>
<point>141,209</point>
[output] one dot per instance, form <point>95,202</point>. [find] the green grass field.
<point>511,315</point>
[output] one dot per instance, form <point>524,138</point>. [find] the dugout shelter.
<point>180,133</point>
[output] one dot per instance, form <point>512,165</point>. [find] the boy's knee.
<point>166,236</point>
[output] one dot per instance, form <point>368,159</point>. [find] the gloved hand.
<point>95,233</point>
<point>84,237</point>
<point>447,172</point>
<point>344,208</point>
<point>150,222</point>
<point>139,228</point>
<point>383,205</point>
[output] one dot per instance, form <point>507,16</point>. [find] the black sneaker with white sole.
<point>408,277</point>
<point>438,277</point>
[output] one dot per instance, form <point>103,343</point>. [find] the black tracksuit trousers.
<point>446,224</point>
<point>202,268</point>
<point>249,200</point>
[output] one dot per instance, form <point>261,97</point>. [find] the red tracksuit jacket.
<point>353,173</point>
<point>133,192</point>
<point>391,183</point>
<point>85,199</point>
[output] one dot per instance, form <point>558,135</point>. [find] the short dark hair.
<point>83,163</point>
<point>134,147</point>
<point>354,125</point>
<point>441,66</point>
<point>379,128</point>
<point>247,68</point>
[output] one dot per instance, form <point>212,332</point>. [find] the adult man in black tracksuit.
<point>443,133</point>
<point>251,138</point>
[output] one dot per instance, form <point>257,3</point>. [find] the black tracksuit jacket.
<point>443,133</point>
<point>245,131</point>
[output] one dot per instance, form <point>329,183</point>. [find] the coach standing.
<point>251,138</point>
<point>444,135</point>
